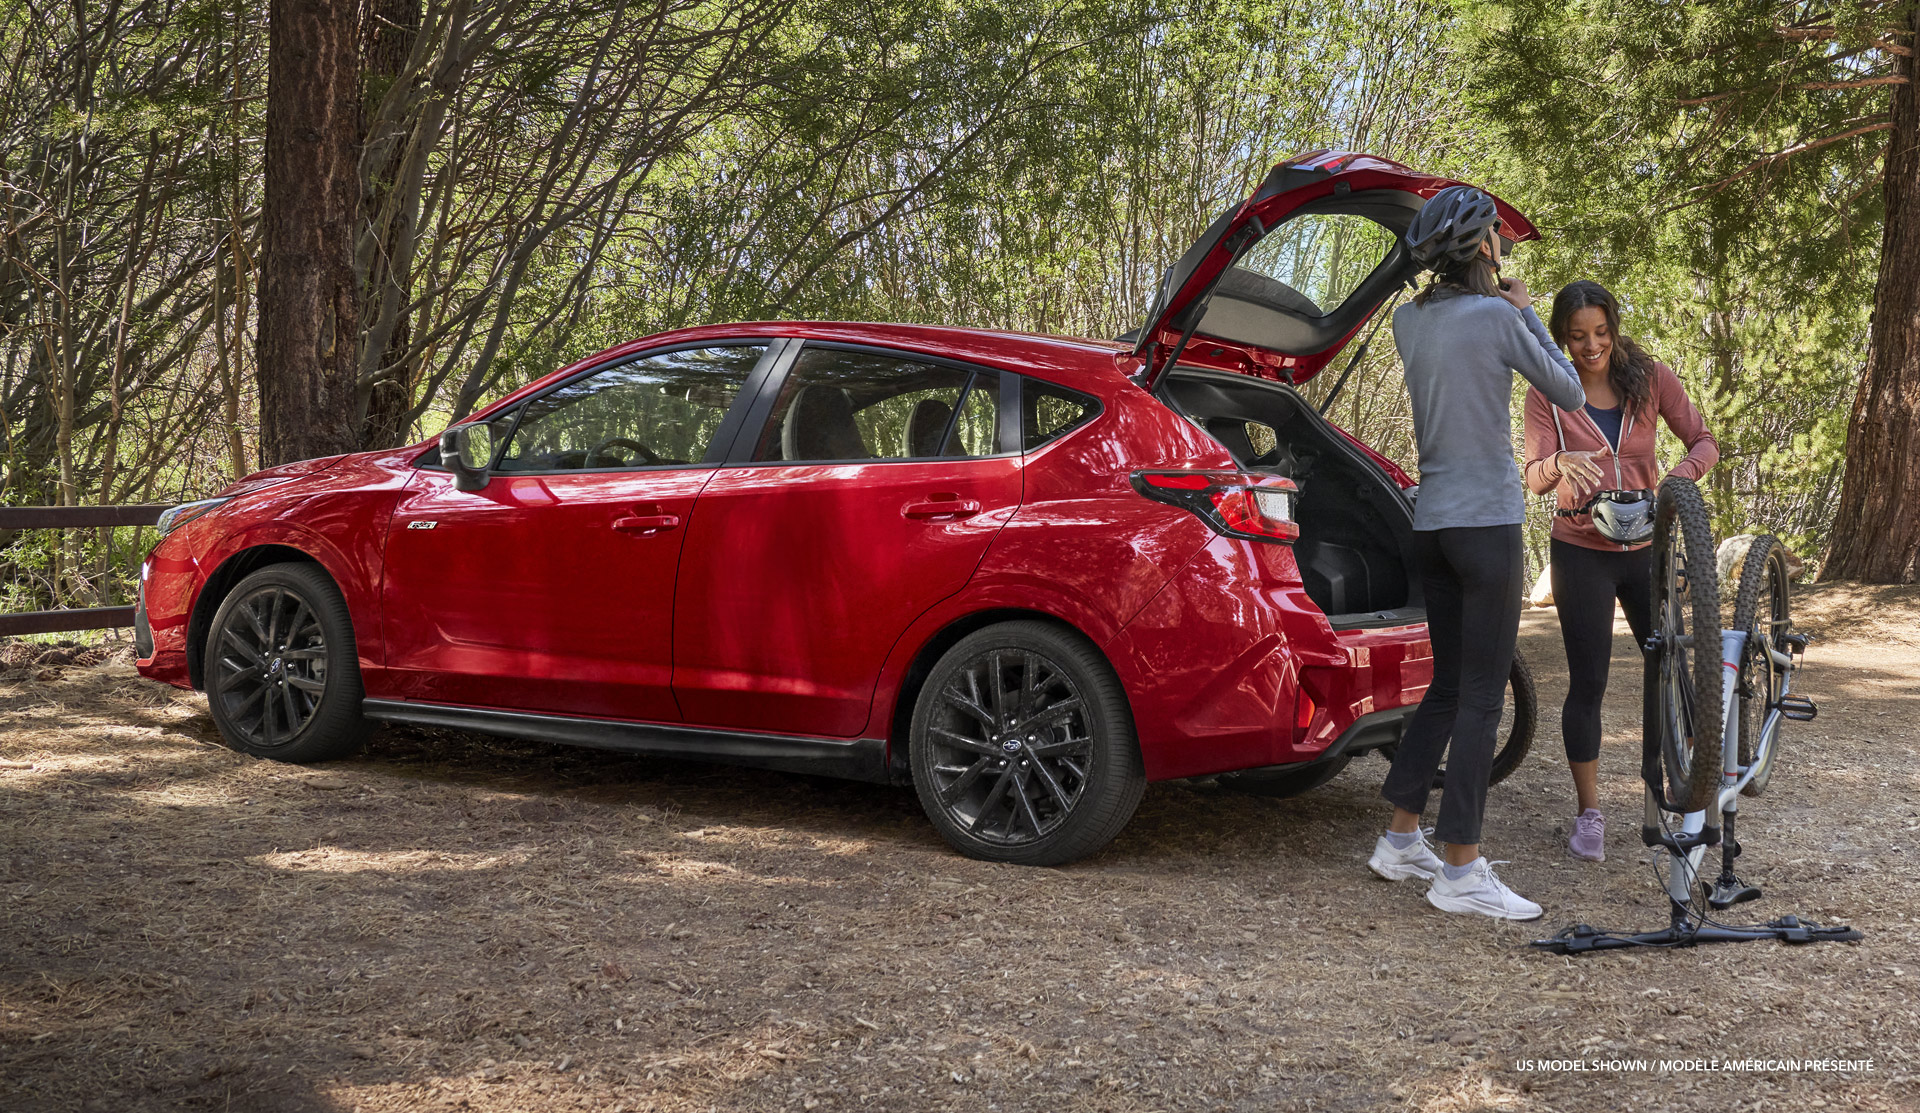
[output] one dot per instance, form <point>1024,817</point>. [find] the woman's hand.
<point>1514,291</point>
<point>1581,471</point>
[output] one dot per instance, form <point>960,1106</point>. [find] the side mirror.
<point>467,452</point>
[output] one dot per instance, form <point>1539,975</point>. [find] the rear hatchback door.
<point>1278,285</point>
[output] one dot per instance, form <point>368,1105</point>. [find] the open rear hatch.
<point>1266,298</point>
<point>1278,285</point>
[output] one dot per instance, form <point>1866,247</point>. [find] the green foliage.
<point>1028,164</point>
<point>1716,165</point>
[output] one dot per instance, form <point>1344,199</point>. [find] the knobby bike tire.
<point>1687,602</point>
<point>1763,579</point>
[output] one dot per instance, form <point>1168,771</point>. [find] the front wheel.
<point>1688,713</point>
<point>1022,747</point>
<point>283,675</point>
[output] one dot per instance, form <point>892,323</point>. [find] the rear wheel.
<point>283,675</point>
<point>1023,748</point>
<point>1686,616</point>
<point>1761,609</point>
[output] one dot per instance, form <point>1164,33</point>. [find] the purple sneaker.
<point>1589,836</point>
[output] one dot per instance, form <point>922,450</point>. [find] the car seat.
<point>819,426</point>
<point>927,428</point>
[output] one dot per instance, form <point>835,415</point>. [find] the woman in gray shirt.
<point>1461,341</point>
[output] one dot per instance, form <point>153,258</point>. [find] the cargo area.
<point>1356,527</point>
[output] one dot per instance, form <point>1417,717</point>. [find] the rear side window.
<point>842,405</point>
<point>659,410</point>
<point>1048,411</point>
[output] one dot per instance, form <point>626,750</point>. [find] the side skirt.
<point>859,759</point>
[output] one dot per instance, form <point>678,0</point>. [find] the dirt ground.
<point>456,922</point>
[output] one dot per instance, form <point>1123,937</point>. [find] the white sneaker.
<point>1394,864</point>
<point>1480,891</point>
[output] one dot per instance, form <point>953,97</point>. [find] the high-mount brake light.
<point>1235,504</point>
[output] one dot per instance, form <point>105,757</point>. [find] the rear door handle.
<point>941,508</point>
<point>648,523</point>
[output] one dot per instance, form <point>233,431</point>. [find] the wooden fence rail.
<point>72,517</point>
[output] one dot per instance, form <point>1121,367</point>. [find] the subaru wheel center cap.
<point>1011,745</point>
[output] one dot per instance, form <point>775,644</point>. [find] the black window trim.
<point>723,435</point>
<point>748,439</point>
<point>1095,407</point>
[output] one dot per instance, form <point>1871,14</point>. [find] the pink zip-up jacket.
<point>1633,466</point>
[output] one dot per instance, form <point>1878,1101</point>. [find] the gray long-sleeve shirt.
<point>1460,351</point>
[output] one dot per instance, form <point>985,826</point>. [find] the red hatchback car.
<point>1025,574</point>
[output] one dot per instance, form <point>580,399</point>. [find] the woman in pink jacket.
<point>1607,446</point>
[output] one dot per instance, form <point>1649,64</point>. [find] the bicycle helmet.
<point>1448,229</point>
<point>1623,516</point>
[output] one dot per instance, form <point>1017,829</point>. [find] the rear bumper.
<point>1369,732</point>
<point>1232,667</point>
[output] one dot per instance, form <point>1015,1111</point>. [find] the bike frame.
<point>1734,776</point>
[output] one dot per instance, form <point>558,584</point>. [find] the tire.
<point>1686,619</point>
<point>282,669</point>
<point>1762,608</point>
<point>1521,716</point>
<point>1022,746</point>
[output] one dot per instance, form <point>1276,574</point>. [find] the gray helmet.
<point>1448,229</point>
<point>1623,516</point>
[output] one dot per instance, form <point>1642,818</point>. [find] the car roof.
<point>1092,365</point>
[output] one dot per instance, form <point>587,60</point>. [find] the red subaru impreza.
<point>1026,574</point>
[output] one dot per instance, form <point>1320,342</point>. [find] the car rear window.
<point>1048,412</point>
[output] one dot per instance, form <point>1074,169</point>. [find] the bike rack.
<point>1686,848</point>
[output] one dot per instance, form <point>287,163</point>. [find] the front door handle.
<point>647,523</point>
<point>941,508</point>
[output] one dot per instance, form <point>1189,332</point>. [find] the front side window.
<point>655,411</point>
<point>840,405</point>
<point>1317,261</point>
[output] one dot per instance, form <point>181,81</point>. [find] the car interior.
<point>1356,526</point>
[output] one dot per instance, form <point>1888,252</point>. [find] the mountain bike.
<point>1716,698</point>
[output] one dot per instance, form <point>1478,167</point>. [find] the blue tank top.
<point>1609,423</point>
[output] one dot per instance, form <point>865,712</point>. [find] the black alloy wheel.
<point>1022,746</point>
<point>282,676</point>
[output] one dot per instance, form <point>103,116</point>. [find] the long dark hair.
<point>1475,276</point>
<point>1629,367</point>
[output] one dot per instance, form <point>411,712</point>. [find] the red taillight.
<point>1237,504</point>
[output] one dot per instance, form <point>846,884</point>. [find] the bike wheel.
<point>1761,609</point>
<point>1686,616</point>
<point>1518,717</point>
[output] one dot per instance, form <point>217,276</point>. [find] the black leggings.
<point>1472,577</point>
<point>1585,584</point>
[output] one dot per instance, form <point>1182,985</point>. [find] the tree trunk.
<point>305,354</point>
<point>1876,534</point>
<point>387,32</point>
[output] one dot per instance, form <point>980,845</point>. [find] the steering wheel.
<point>599,450</point>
